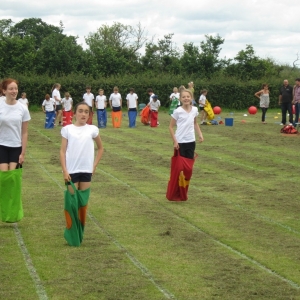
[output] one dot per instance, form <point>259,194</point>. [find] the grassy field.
<point>237,236</point>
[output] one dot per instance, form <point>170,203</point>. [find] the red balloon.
<point>252,110</point>
<point>293,110</point>
<point>217,110</point>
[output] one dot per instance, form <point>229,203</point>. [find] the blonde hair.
<point>116,89</point>
<point>67,94</point>
<point>186,91</point>
<point>101,90</point>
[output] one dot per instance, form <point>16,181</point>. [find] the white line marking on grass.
<point>261,266</point>
<point>40,290</point>
<point>132,258</point>
<point>255,214</point>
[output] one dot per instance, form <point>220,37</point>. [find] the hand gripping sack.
<point>180,175</point>
<point>11,209</point>
<point>75,214</point>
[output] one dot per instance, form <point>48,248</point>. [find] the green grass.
<point>237,236</point>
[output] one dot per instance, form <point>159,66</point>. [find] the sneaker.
<point>281,124</point>
<point>291,124</point>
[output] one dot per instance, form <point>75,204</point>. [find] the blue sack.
<point>101,118</point>
<point>50,119</point>
<point>132,117</point>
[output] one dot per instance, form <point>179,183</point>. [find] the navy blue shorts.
<point>81,177</point>
<point>9,154</point>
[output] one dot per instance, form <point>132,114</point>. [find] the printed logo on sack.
<point>182,181</point>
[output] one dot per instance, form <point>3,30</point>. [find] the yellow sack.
<point>208,109</point>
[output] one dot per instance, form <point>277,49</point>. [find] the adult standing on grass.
<point>14,118</point>
<point>264,97</point>
<point>185,118</point>
<point>296,100</point>
<point>285,101</point>
<point>78,165</point>
<point>56,96</point>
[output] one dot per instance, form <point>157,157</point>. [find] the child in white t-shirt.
<point>67,102</point>
<point>56,96</point>
<point>202,104</point>
<point>175,94</point>
<point>185,118</point>
<point>101,103</point>
<point>77,155</point>
<point>132,103</point>
<point>115,100</point>
<point>23,99</point>
<point>48,107</point>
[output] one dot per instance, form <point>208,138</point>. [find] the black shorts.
<point>116,108</point>
<point>9,154</point>
<point>58,107</point>
<point>201,108</point>
<point>81,177</point>
<point>187,149</point>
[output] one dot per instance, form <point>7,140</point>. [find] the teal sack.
<point>11,209</point>
<point>75,214</point>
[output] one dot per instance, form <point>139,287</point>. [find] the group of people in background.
<point>288,96</point>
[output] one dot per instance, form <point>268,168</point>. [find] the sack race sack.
<point>145,115</point>
<point>180,175</point>
<point>50,119</point>
<point>153,117</point>
<point>116,118</point>
<point>132,117</point>
<point>90,119</point>
<point>289,129</point>
<point>75,214</point>
<point>67,117</point>
<point>208,109</point>
<point>101,118</point>
<point>174,104</point>
<point>11,209</point>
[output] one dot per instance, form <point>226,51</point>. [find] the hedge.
<point>225,92</point>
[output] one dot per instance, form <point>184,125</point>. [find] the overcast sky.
<point>272,27</point>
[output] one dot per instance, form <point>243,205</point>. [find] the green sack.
<point>174,104</point>
<point>11,209</point>
<point>75,214</point>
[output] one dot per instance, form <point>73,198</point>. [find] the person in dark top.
<point>285,101</point>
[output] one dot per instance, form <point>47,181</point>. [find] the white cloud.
<point>271,27</point>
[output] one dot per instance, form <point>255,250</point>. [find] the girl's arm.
<point>63,150</point>
<point>171,130</point>
<point>198,131</point>
<point>98,141</point>
<point>127,104</point>
<point>258,94</point>
<point>24,141</point>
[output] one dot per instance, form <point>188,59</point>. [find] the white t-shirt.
<point>174,95</point>
<point>11,119</point>
<point>132,98</point>
<point>49,104</point>
<point>56,93</point>
<point>23,101</point>
<point>202,101</point>
<point>154,105</point>
<point>88,98</point>
<point>115,99</point>
<point>67,103</point>
<point>101,102</point>
<point>2,98</point>
<point>185,132</point>
<point>80,149</point>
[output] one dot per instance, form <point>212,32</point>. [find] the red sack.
<point>67,117</point>
<point>145,115</point>
<point>90,119</point>
<point>153,117</point>
<point>180,175</point>
<point>289,129</point>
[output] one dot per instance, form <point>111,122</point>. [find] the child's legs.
<point>202,112</point>
<point>264,110</point>
<point>82,181</point>
<point>9,157</point>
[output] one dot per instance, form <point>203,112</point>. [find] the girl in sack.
<point>79,163</point>
<point>185,118</point>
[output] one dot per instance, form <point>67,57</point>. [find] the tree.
<point>36,28</point>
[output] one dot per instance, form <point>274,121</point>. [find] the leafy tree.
<point>59,54</point>
<point>35,28</point>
